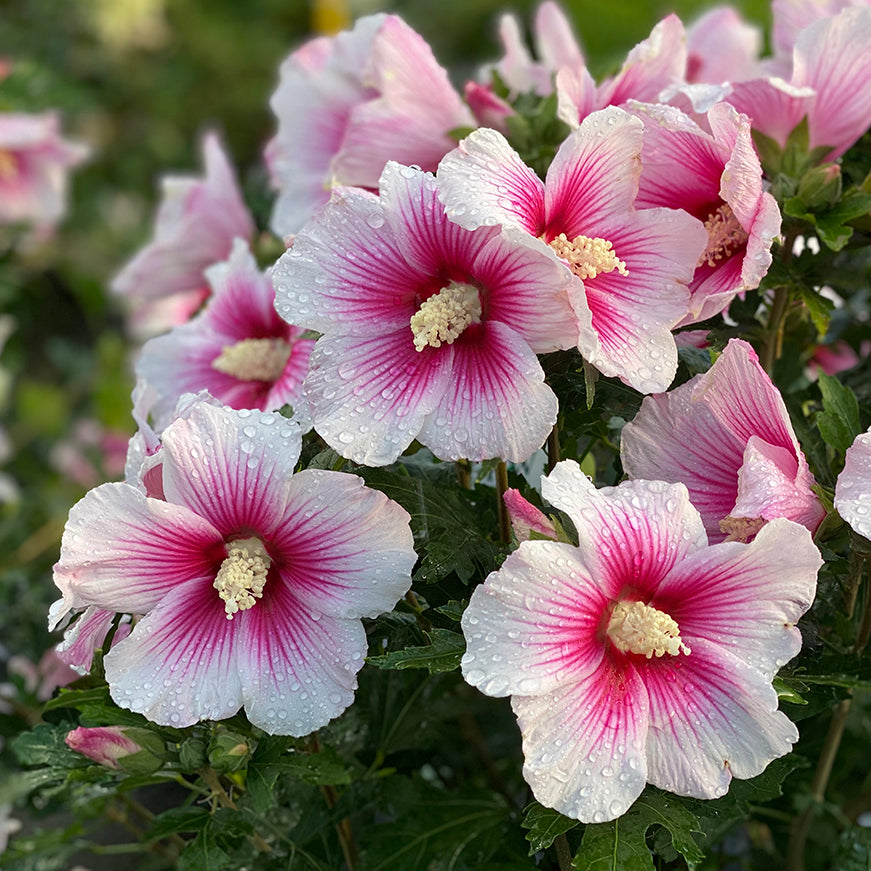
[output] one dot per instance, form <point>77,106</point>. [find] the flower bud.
<point>821,186</point>
<point>228,751</point>
<point>526,519</point>
<point>112,747</point>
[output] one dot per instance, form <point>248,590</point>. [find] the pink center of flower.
<point>242,575</point>
<point>443,316</point>
<point>638,628</point>
<point>253,359</point>
<point>588,257</point>
<point>8,165</point>
<point>725,235</point>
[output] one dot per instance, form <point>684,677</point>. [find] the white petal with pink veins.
<point>853,487</point>
<point>747,597</point>
<point>297,668</point>
<point>533,625</point>
<point>370,397</point>
<point>484,182</point>
<point>496,403</point>
<point>231,466</point>
<point>123,552</point>
<point>362,565</point>
<point>584,744</point>
<point>178,665</point>
<point>711,717</point>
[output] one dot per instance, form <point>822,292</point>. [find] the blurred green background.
<point>140,81</point>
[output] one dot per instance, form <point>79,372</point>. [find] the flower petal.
<point>484,182</point>
<point>583,744</point>
<point>711,717</point>
<point>496,403</point>
<point>231,467</point>
<point>533,625</point>
<point>369,397</point>
<point>746,598</point>
<point>298,668</point>
<point>123,552</point>
<point>178,665</point>
<point>853,487</point>
<point>348,550</point>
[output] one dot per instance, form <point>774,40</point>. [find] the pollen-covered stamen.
<point>8,165</point>
<point>725,235</point>
<point>638,628</point>
<point>588,257</point>
<point>443,316</point>
<point>242,575</point>
<point>253,359</point>
<point>741,528</point>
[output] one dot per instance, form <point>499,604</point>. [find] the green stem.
<point>563,852</point>
<point>776,320</point>
<point>222,797</point>
<point>501,510</point>
<point>464,474</point>
<point>553,452</point>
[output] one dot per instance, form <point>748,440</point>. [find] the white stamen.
<point>242,575</point>
<point>639,628</point>
<point>725,234</point>
<point>588,257</point>
<point>253,359</point>
<point>444,316</point>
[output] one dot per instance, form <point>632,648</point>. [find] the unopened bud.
<point>228,750</point>
<point>526,519</point>
<point>821,187</point>
<point>117,747</point>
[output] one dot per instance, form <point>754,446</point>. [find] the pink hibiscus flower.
<point>346,105</point>
<point>722,47</point>
<point>853,487</point>
<point>195,227</point>
<point>252,579</point>
<point>430,330</point>
<point>34,163</point>
<point>628,269</point>
<point>643,655</point>
<point>717,177</point>
<point>831,66</point>
<point>237,348</point>
<point>726,435</point>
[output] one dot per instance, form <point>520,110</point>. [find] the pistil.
<point>253,359</point>
<point>638,628</point>
<point>588,257</point>
<point>242,575</point>
<point>444,316</point>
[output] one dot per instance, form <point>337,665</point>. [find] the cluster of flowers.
<point>423,281</point>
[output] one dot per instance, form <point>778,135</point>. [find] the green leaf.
<point>819,308</point>
<point>544,825</point>
<point>45,745</point>
<point>324,768</point>
<point>854,850</point>
<point>838,422</point>
<point>443,654</point>
<point>203,853</point>
<point>621,844</point>
<point>178,819</point>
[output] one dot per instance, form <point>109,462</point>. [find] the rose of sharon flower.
<point>430,330</point>
<point>34,162</point>
<point>726,435</point>
<point>346,105</point>
<point>196,223</point>
<point>628,269</point>
<point>717,178</point>
<point>853,487</point>
<point>252,580</point>
<point>643,655</point>
<point>237,348</point>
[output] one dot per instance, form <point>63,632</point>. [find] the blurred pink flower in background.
<point>237,348</point>
<point>348,104</point>
<point>643,655</point>
<point>727,436</point>
<point>34,166</point>
<point>195,225</point>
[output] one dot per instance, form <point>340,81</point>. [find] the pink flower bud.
<point>104,744</point>
<point>526,518</point>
